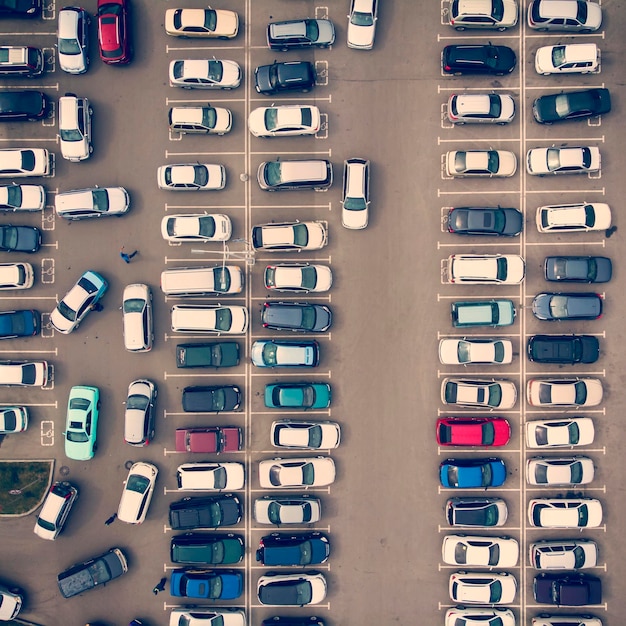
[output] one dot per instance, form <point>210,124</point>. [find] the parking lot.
<point>390,303</point>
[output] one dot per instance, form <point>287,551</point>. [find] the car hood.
<point>231,74</point>
<point>33,197</point>
<point>72,63</point>
<point>361,36</point>
<point>227,23</point>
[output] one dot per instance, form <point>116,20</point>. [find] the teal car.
<point>82,422</point>
<point>297,396</point>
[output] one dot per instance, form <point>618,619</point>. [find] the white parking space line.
<point>291,206</point>
<point>446,451</point>
<point>210,374</point>
<point>579,36</point>
<point>600,190</point>
<point>493,37</point>
<point>587,488</point>
<point>551,89</point>
<point>282,259</point>
<point>456,88</point>
<point>473,245</point>
<point>196,207</point>
<point>295,297</point>
<point>271,528</point>
<point>494,334</point>
<point>453,529</point>
<point>303,371</point>
<point>482,192</point>
<point>564,374</point>
<point>204,100</point>
<point>169,153</point>
<point>481,490</point>
<point>296,152</point>
<point>601,243</point>
<point>291,490</point>
<point>308,411</point>
<point>476,411</point>
<point>293,335</point>
<point>461,296</point>
<point>220,49</point>
<point>569,411</point>
<point>474,140</point>
<point>566,140</point>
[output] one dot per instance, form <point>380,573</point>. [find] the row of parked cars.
<point>559,581</point>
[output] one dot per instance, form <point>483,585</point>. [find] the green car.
<point>207,549</point>
<point>297,396</point>
<point>82,422</point>
<point>215,354</point>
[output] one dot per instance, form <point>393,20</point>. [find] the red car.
<point>113,35</point>
<point>213,439</point>
<point>473,431</point>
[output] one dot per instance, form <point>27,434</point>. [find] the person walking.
<point>125,256</point>
<point>160,586</point>
<point>111,519</point>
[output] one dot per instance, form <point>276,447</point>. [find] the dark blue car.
<point>293,549</point>
<point>472,473</point>
<point>24,323</point>
<point>211,584</point>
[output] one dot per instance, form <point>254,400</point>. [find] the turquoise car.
<point>297,396</point>
<point>82,422</point>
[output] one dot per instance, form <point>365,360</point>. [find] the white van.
<point>202,281</point>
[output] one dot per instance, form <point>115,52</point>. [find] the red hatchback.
<point>113,35</point>
<point>210,440</point>
<point>473,431</point>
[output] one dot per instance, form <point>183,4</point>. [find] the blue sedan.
<point>472,473</point>
<point>24,323</point>
<point>211,584</point>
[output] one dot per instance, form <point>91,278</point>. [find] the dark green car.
<point>215,354</point>
<point>207,549</point>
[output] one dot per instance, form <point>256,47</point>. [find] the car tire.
<point>459,28</point>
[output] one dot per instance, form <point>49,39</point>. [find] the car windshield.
<point>134,305</point>
<point>100,199</point>
<point>269,353</point>
<point>210,19</point>
<point>554,158</point>
<point>272,173</point>
<point>14,195</point>
<point>495,105</point>
<point>273,512</point>
<point>315,437</point>
<point>137,402</point>
<point>495,395</point>
<point>362,19</point>
<point>501,272</point>
<point>488,434</point>
<point>200,175</point>
<point>70,134</point>
<point>306,553</point>
<point>216,71</point>
<point>300,235</point>
<point>137,483</point>
<point>206,226</point>
<point>69,46</point>
<point>219,399</point>
<point>312,30</point>
<point>576,472</point>
<point>309,277</point>
<point>558,56</point>
<point>223,319</point>
<point>497,10</point>
<point>545,394</point>
<point>495,591</point>
<point>221,279</point>
<point>581,393</point>
<point>308,318</point>
<point>219,478</point>
<point>209,117</point>
<point>271,118</point>
<point>581,13</point>
<point>493,161</point>
<point>590,216</point>
<point>583,515</point>
<point>308,474</point>
<point>110,9</point>
<point>586,157</point>
<point>541,474</point>
<point>66,311</point>
<point>574,433</point>
<point>9,237</point>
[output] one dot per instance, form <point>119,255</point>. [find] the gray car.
<point>578,269</point>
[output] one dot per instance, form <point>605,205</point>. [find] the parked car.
<point>478,59</point>
<point>202,281</point>
<point>83,409</point>
<point>224,509</point>
<point>290,236</point>
<point>472,473</point>
<point>293,34</point>
<point>98,570</point>
<point>11,601</point>
<point>20,8</point>
<point>209,439</point>
<point>580,16</point>
<point>564,512</point>
<point>55,510</point>
<point>475,269</point>
<point>482,588</point>
<point>567,306</point>
<point>570,554</point>
<point>573,58</point>
<point>303,509</point>
<point>296,316</point>
<point>81,204</point>
<point>300,549</point>
<point>480,108</point>
<point>205,23</point>
<point>297,473</point>
<point>214,354</point>
<point>475,313</point>
<point>563,349</point>
<point>14,197</point>
<point>139,415</point>
<point>207,549</point>
<point>567,589</point>
<point>476,512</point>
<point>566,160</point>
<point>560,432</point>
<point>362,18</point>
<point>473,431</point>
<point>73,40</point>
<point>137,493</point>
<point>501,394</point>
<point>356,193</point>
<point>16,276</point>
<point>211,398</point>
<point>196,227</point>
<point>281,353</point>
<point>468,351</point>
<point>209,476</point>
<point>204,120</point>
<point>478,551</point>
<point>204,74</point>
<point>461,163</point>
<point>137,318</point>
<point>279,77</point>
<point>462,616</point>
<point>24,373</point>
<point>19,238</point>
<point>208,584</point>
<point>570,620</point>
<point>301,589</point>
<point>13,419</point>
<point>492,14</point>
<point>578,269</point>
<point>75,127</point>
<point>280,620</point>
<point>550,471</point>
<point>573,217</point>
<point>210,318</point>
<point>114,32</point>
<point>298,277</point>
<point>16,106</point>
<point>20,60</point>
<point>23,323</point>
<point>297,396</point>
<point>295,175</point>
<point>78,302</point>
<point>571,105</point>
<point>305,435</point>
<point>200,616</point>
<point>576,392</point>
<point>286,120</point>
<point>21,162</point>
<point>191,177</point>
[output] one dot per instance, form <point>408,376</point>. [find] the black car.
<point>485,221</point>
<point>302,316</point>
<point>567,306</point>
<point>207,549</point>
<point>571,105</point>
<point>23,323</point>
<point>308,33</point>
<point>567,589</point>
<point>289,549</point>
<point>211,399</point>
<point>215,354</point>
<point>566,349</point>
<point>23,105</point>
<point>478,512</point>
<point>578,269</point>
<point>478,59</point>
<point>207,512</point>
<point>19,238</point>
<point>279,77</point>
<point>281,620</point>
<point>20,8</point>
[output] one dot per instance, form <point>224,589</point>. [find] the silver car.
<point>480,108</point>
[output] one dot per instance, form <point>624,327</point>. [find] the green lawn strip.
<point>23,485</point>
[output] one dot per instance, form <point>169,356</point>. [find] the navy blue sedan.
<point>24,323</point>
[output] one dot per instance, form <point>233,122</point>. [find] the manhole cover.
<point>64,470</point>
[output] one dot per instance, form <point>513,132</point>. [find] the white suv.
<point>493,14</point>
<point>356,193</point>
<point>476,269</point>
<point>75,127</point>
<point>55,510</point>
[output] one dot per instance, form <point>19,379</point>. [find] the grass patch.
<point>22,485</point>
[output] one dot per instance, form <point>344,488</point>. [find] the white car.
<point>210,476</point>
<point>137,493</point>
<point>14,197</point>
<point>298,277</point>
<point>10,603</point>
<point>296,473</point>
<point>21,162</point>
<point>192,177</point>
<point>81,204</point>
<point>210,318</point>
<point>284,121</point>
<point>560,432</point>
<point>356,193</point>
<point>207,616</point>
<point>303,509</point>
<point>566,15</point>
<point>13,419</point>
<point>565,512</point>
<point>564,392</point>
<point>477,551</point>
<point>196,227</point>
<point>56,507</point>
<point>565,471</point>
<point>572,620</point>
<point>207,120</point>
<point>72,40</point>
<point>24,374</point>
<point>461,616</point>
<point>362,19</point>
<point>290,236</point>
<point>75,128</point>
<point>299,435</point>
<point>570,554</point>
<point>204,74</point>
<point>569,160</point>
<point>579,217</point>
<point>303,588</point>
<point>573,58</point>
<point>16,276</point>
<point>501,394</point>
<point>480,108</point>
<point>485,269</point>
<point>460,163</point>
<point>214,23</point>
<point>482,588</point>
<point>465,351</point>
<point>491,14</point>
<point>137,317</point>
